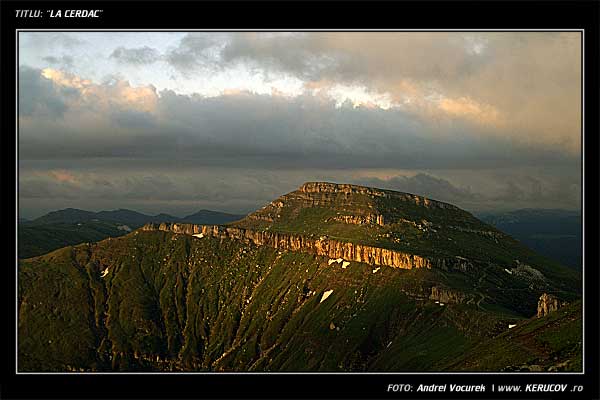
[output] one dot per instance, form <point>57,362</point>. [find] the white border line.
<point>582,82</point>
<point>582,149</point>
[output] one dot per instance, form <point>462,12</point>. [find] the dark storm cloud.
<point>248,130</point>
<point>180,191</point>
<point>136,120</point>
<point>425,185</point>
<point>526,84</point>
<point>136,56</point>
<point>39,96</point>
<point>514,190</point>
<point>131,145</point>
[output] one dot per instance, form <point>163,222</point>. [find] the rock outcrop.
<point>444,295</point>
<point>360,219</point>
<point>359,205</point>
<point>322,246</point>
<point>326,187</point>
<point>547,304</point>
<point>532,276</point>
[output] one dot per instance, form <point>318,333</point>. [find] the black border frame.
<point>181,15</point>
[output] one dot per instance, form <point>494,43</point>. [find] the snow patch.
<point>104,273</point>
<point>331,261</point>
<point>345,264</point>
<point>326,295</point>
<point>376,269</point>
<point>198,235</point>
<point>339,260</point>
<point>508,270</point>
<point>441,304</point>
<point>510,326</point>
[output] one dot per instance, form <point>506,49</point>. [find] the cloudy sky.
<point>178,121</point>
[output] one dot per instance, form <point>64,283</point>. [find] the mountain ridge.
<point>72,226</point>
<point>127,216</point>
<point>324,278</point>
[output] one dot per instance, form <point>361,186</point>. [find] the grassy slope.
<point>205,304</point>
<point>553,342</point>
<point>445,240</point>
<point>173,302</point>
<point>35,240</point>
<point>70,227</point>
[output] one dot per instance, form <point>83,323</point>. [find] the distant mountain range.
<point>73,226</point>
<point>553,233</point>
<point>132,218</point>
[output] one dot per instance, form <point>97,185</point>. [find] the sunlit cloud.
<point>390,108</point>
<point>62,175</point>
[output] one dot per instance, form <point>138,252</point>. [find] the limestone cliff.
<point>547,304</point>
<point>359,219</point>
<point>328,188</point>
<point>358,205</point>
<point>322,246</point>
<point>444,295</point>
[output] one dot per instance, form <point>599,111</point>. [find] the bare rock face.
<point>446,295</point>
<point>293,242</point>
<point>360,220</point>
<point>456,263</point>
<point>328,188</point>
<point>547,304</point>
<point>527,272</point>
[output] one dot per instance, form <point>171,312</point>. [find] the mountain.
<point>72,226</point>
<point>133,218</point>
<point>66,216</point>
<point>533,345</point>
<point>326,278</point>
<point>35,240</point>
<point>555,234</point>
<point>123,216</point>
<point>207,217</point>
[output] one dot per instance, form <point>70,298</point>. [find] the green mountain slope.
<point>122,216</point>
<point>72,226</point>
<point>65,216</point>
<point>550,343</point>
<point>205,304</point>
<point>415,225</point>
<point>208,217</point>
<point>35,240</point>
<point>159,300</point>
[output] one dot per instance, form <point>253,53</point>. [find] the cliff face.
<point>323,247</point>
<point>160,302</point>
<point>326,187</point>
<point>446,295</point>
<point>359,219</point>
<point>358,205</point>
<point>547,304</point>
